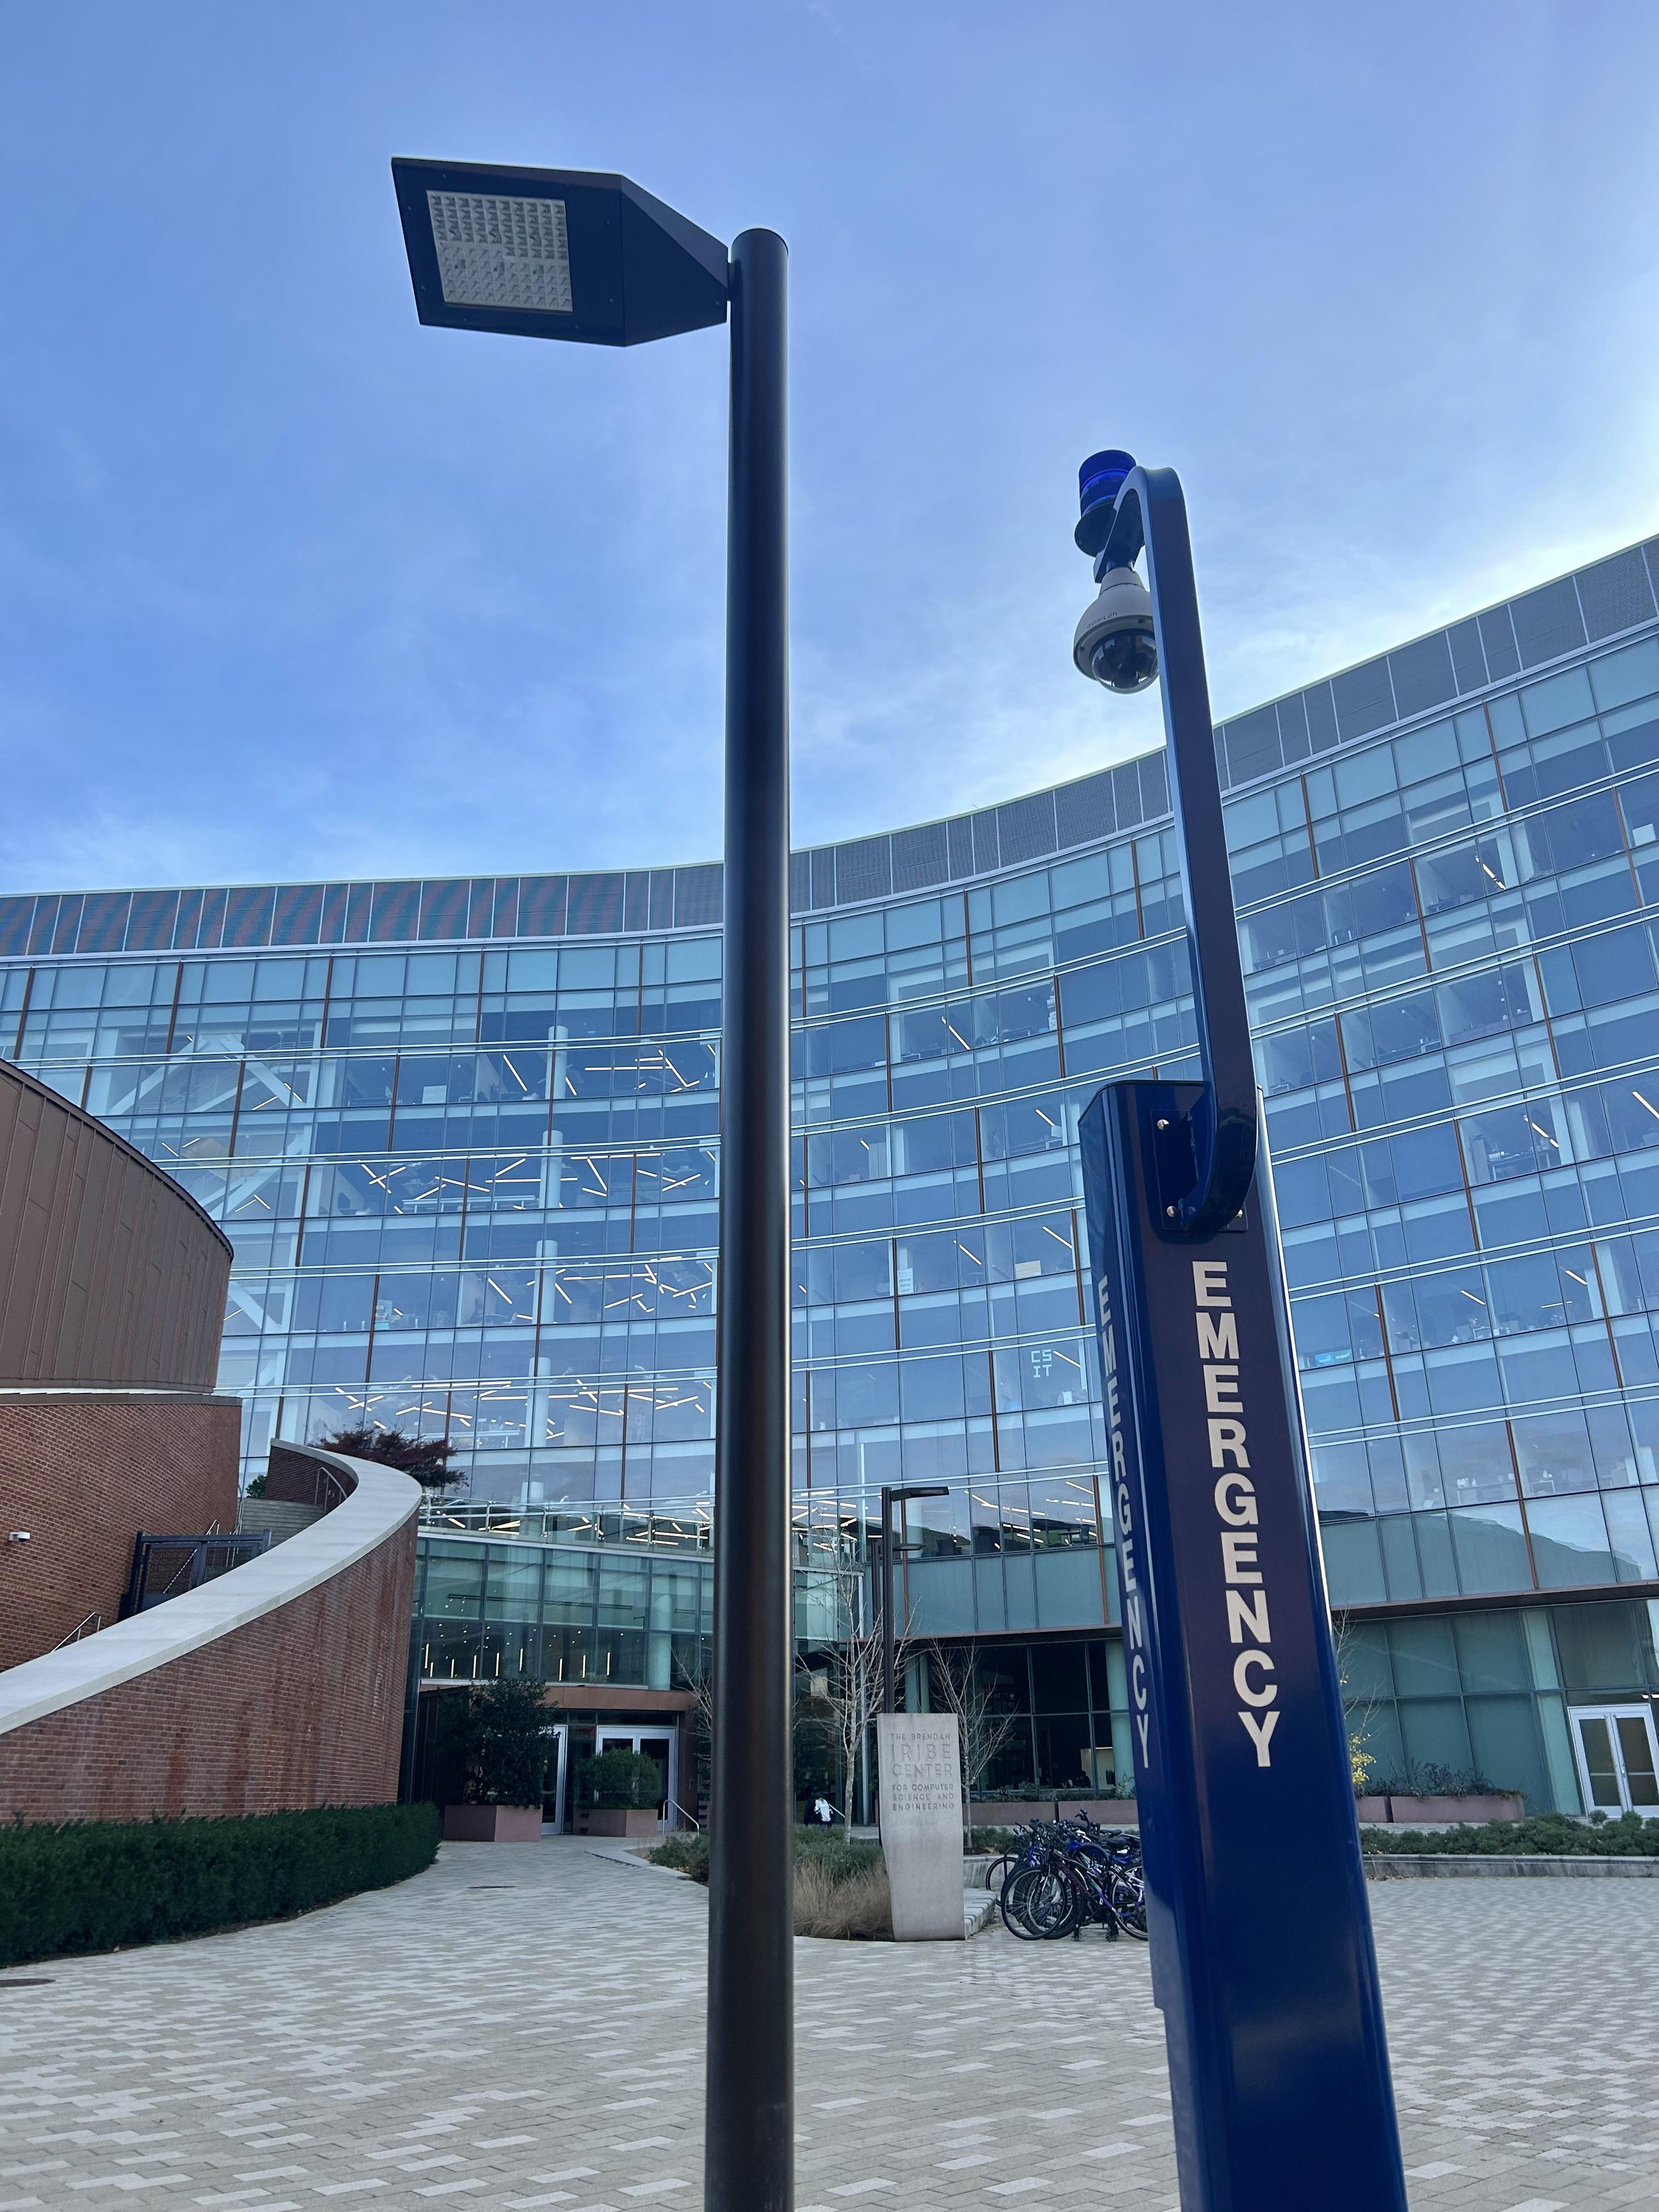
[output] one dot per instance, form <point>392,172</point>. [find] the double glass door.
<point>657,1744</point>
<point>1618,1758</point>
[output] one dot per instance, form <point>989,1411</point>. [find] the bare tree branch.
<point>983,1727</point>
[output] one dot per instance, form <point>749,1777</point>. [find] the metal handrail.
<point>193,1570</point>
<point>89,1626</point>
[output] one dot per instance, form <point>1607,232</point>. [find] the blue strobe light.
<point>1099,482</point>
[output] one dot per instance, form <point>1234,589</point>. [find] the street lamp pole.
<point>749,2150</point>
<point>590,258</point>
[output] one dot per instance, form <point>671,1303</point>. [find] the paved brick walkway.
<point>522,2027</point>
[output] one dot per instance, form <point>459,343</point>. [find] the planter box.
<point>1015,1812</point>
<point>1010,1811</point>
<point>1442,1812</point>
<point>492,1824</point>
<point>629,1820</point>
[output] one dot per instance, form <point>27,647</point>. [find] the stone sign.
<point>921,1824</point>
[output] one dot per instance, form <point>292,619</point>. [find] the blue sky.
<point>292,587</point>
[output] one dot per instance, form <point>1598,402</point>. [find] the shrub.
<point>500,1732</point>
<point>103,1884</point>
<point>852,1906</point>
<point>841,1882</point>
<point>1426,1778</point>
<point>685,1852</point>
<point>842,1857</point>
<point>1549,1834</point>
<point>618,1780</point>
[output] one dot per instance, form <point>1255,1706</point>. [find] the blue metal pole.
<point>1262,1958</point>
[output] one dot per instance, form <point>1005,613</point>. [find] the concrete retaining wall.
<point>1428,1866</point>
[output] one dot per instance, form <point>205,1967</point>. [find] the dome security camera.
<point>1114,642</point>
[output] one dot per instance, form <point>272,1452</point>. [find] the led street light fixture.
<point>497,251</point>
<point>554,253</point>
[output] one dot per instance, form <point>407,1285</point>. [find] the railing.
<point>203,1557</point>
<point>632,1527</point>
<point>825,1544</point>
<point>89,1626</point>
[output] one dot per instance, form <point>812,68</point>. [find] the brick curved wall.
<point>83,1473</point>
<point>112,1283</point>
<point>302,1707</point>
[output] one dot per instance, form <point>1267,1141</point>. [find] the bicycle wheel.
<point>1038,1904</point>
<point>1128,1899</point>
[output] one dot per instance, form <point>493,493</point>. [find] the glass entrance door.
<point>657,1744</point>
<point>1618,1758</point>
<point>556,1736</point>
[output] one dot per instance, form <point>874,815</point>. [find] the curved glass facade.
<point>1451,938</point>
<point>465,1137</point>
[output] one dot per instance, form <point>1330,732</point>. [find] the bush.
<point>686,1853</point>
<point>103,1884</point>
<point>841,1883</point>
<point>1427,1778</point>
<point>842,1857</point>
<point>1548,1834</point>
<point>618,1781</point>
<point>501,1734</point>
<point>850,1907</point>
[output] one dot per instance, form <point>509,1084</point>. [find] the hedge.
<point>104,1885</point>
<point>1548,1834</point>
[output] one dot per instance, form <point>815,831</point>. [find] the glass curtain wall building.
<point>464,1134</point>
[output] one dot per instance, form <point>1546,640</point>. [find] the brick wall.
<point>293,1478</point>
<point>303,1707</point>
<point>110,1272</point>
<point>83,1474</point>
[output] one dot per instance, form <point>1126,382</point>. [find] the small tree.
<point>699,1731</point>
<point>1358,1713</point>
<point>851,1696</point>
<point>425,1458</point>
<point>982,1726</point>
<point>503,1742</point>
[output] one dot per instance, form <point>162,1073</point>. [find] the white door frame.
<point>611,1734</point>
<point>1610,1713</point>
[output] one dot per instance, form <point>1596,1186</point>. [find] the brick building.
<point>279,1683</point>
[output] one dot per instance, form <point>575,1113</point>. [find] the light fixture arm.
<point>1207,1160</point>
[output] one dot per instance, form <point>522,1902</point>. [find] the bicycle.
<point>1066,1876</point>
